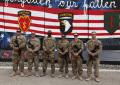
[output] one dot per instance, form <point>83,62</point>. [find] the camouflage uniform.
<point>93,47</point>
<point>33,47</point>
<point>63,59</point>
<point>76,58</point>
<point>48,47</point>
<point>17,58</point>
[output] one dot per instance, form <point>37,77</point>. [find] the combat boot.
<point>80,78</point>
<point>60,75</point>
<point>43,74</point>
<point>52,75</point>
<point>74,77</point>
<point>22,74</point>
<point>13,74</point>
<point>37,74</point>
<point>89,78</point>
<point>66,76</point>
<point>29,73</point>
<point>97,79</point>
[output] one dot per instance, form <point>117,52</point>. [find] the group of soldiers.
<point>67,51</point>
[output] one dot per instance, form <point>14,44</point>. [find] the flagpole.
<point>44,20</point>
<point>4,20</point>
<point>88,19</point>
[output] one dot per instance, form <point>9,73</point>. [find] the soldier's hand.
<point>64,52</point>
<point>15,48</point>
<point>30,50</point>
<point>11,45</point>
<point>60,52</point>
<point>94,54</point>
<point>76,54</point>
<point>33,51</point>
<point>44,49</point>
<point>51,50</point>
<point>91,54</point>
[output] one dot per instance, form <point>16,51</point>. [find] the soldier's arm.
<point>68,45</point>
<point>44,48</point>
<point>58,45</point>
<point>70,50</point>
<point>37,47</point>
<point>82,47</point>
<point>22,45</point>
<point>71,46</point>
<point>89,52</point>
<point>29,49</point>
<point>100,49</point>
<point>54,45</point>
<point>11,43</point>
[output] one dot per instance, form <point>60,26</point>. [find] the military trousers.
<point>63,61</point>
<point>46,58</point>
<point>33,59</point>
<point>93,63</point>
<point>77,62</point>
<point>18,61</point>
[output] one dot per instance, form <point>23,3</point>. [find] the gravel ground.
<point>107,78</point>
<point>102,66</point>
<point>109,75</point>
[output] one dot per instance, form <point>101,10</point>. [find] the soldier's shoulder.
<point>89,40</point>
<point>37,38</point>
<point>22,36</point>
<point>59,40</point>
<point>53,38</point>
<point>45,37</point>
<point>67,40</point>
<point>99,41</point>
<point>13,36</point>
<point>80,40</point>
<point>72,41</point>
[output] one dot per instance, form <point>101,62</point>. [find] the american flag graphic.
<point>44,19</point>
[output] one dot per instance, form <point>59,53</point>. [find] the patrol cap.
<point>93,32</point>
<point>75,34</point>
<point>49,31</point>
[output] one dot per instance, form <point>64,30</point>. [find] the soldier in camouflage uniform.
<point>94,47</point>
<point>33,47</point>
<point>18,43</point>
<point>76,58</point>
<point>48,47</point>
<point>63,59</point>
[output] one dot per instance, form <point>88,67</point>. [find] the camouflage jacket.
<point>94,45</point>
<point>63,45</point>
<point>35,42</point>
<point>77,46</point>
<point>49,44</point>
<point>21,40</point>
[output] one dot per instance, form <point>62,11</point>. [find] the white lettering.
<point>68,4</point>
